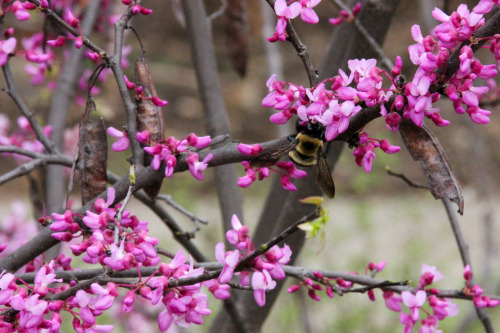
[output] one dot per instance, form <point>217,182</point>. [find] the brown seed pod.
<point>93,148</point>
<point>149,116</point>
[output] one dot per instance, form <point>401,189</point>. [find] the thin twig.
<point>464,253</point>
<point>165,217</point>
<point>213,269</point>
<point>130,106</point>
<point>12,92</point>
<point>131,190</point>
<point>219,11</point>
<point>406,180</point>
<point>302,272</point>
<point>28,167</point>
<point>21,151</point>
<point>168,199</point>
<point>373,43</point>
<point>312,72</point>
<point>61,23</point>
<point>287,232</point>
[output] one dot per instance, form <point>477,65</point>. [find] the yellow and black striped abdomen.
<point>306,151</point>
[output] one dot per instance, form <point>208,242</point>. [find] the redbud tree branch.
<point>462,245</point>
<point>276,240</point>
<point>312,72</point>
<point>130,106</point>
<point>213,270</point>
<point>464,253</point>
<point>28,167</point>
<point>167,219</point>
<point>362,30</point>
<point>63,24</point>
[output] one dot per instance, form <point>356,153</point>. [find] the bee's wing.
<point>270,157</point>
<point>324,176</point>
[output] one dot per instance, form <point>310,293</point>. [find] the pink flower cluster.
<point>38,51</point>
<point>183,305</point>
<point>433,51</point>
<point>286,12</point>
<point>346,16</point>
<point>123,245</point>
<point>117,244</point>
<point>441,307</point>
<point>288,170</point>
<point>23,137</point>
<point>136,8</point>
<point>264,269</point>
<point>167,150</point>
<point>341,284</point>
<point>480,300</point>
<point>364,154</point>
<point>40,57</point>
<point>32,311</point>
<point>334,108</point>
<point>75,23</point>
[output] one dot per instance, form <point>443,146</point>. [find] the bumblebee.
<point>305,149</point>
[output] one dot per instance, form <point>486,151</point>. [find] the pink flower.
<point>228,259</point>
<point>196,167</point>
<point>376,267</point>
<point>262,281</point>
<point>198,142</point>
<point>485,6</point>
<point>414,302</point>
<point>251,150</point>
<point>307,13</point>
<point>284,13</point>
<point>406,320</point>
<point>286,183</point>
<point>123,141</point>
<point>430,274</point>
<point>158,102</point>
<point>239,237</point>
<point>467,274</point>
<point>119,260</point>
<point>6,48</point>
<point>44,277</point>
<point>6,292</point>
<point>387,148</point>
<point>443,307</point>
<point>71,19</point>
<point>220,291</point>
<point>171,162</point>
<point>392,301</point>
<point>19,9</point>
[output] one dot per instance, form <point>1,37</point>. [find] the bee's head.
<point>311,128</point>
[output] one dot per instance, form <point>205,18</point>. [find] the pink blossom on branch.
<point>7,47</point>
<point>123,141</point>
